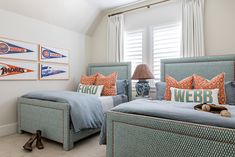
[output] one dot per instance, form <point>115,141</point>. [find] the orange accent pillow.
<point>186,83</point>
<point>216,82</point>
<point>109,83</point>
<point>88,80</point>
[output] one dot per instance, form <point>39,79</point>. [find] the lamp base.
<point>142,88</point>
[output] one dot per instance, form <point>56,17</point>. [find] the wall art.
<point>54,55</point>
<point>18,70</point>
<point>15,49</point>
<point>52,71</point>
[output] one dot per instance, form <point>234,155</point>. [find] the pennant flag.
<point>7,69</point>
<point>49,71</point>
<point>8,48</point>
<point>49,54</point>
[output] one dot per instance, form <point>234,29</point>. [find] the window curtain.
<point>192,28</point>
<point>115,38</point>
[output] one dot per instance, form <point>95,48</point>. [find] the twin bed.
<point>54,117</point>
<point>144,128</point>
<point>140,128</point>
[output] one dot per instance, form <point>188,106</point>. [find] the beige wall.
<point>27,29</point>
<point>98,43</point>
<point>219,31</point>
<point>220,27</point>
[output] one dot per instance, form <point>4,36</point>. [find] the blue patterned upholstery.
<point>130,135</point>
<point>206,66</point>
<point>53,118</point>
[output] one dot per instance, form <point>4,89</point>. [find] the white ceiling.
<point>76,15</point>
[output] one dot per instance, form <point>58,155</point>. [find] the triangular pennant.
<point>49,71</point>
<point>49,54</point>
<point>8,48</point>
<point>7,70</point>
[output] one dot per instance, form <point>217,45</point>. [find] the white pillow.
<point>90,89</point>
<point>209,96</point>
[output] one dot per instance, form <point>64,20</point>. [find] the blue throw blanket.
<point>173,110</point>
<point>85,110</point>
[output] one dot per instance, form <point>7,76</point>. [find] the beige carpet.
<point>11,146</point>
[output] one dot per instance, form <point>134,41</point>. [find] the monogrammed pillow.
<point>90,89</point>
<point>209,96</point>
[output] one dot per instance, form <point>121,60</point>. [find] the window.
<point>151,44</point>
<point>166,44</point>
<point>133,48</point>
<point>158,29</point>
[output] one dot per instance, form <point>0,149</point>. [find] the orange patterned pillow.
<point>216,82</point>
<point>88,80</point>
<point>186,83</point>
<point>109,83</point>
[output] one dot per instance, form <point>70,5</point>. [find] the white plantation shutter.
<point>166,44</point>
<point>133,48</point>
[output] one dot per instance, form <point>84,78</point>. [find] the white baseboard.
<point>8,129</point>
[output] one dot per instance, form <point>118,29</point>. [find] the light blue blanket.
<point>174,111</point>
<point>86,110</point>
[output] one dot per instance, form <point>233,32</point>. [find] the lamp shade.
<point>142,72</point>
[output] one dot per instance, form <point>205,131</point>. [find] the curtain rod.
<point>145,6</point>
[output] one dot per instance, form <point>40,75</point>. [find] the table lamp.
<point>142,73</point>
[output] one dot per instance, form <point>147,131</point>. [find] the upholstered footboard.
<point>130,135</point>
<point>52,118</point>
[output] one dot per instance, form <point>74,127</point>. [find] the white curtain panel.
<point>115,38</point>
<point>192,28</point>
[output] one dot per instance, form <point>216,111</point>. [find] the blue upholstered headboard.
<point>123,69</point>
<point>208,66</point>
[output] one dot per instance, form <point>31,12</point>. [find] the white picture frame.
<point>52,71</point>
<point>18,70</point>
<point>16,49</point>
<point>53,55</point>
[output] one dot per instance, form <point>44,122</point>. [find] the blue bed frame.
<point>53,118</point>
<point>123,69</point>
<point>131,135</point>
<point>208,66</point>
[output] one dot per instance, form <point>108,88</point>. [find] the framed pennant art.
<point>53,55</point>
<point>16,49</point>
<point>52,71</point>
<point>18,70</point>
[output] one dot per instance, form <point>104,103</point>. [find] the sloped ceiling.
<point>107,4</point>
<point>76,15</point>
